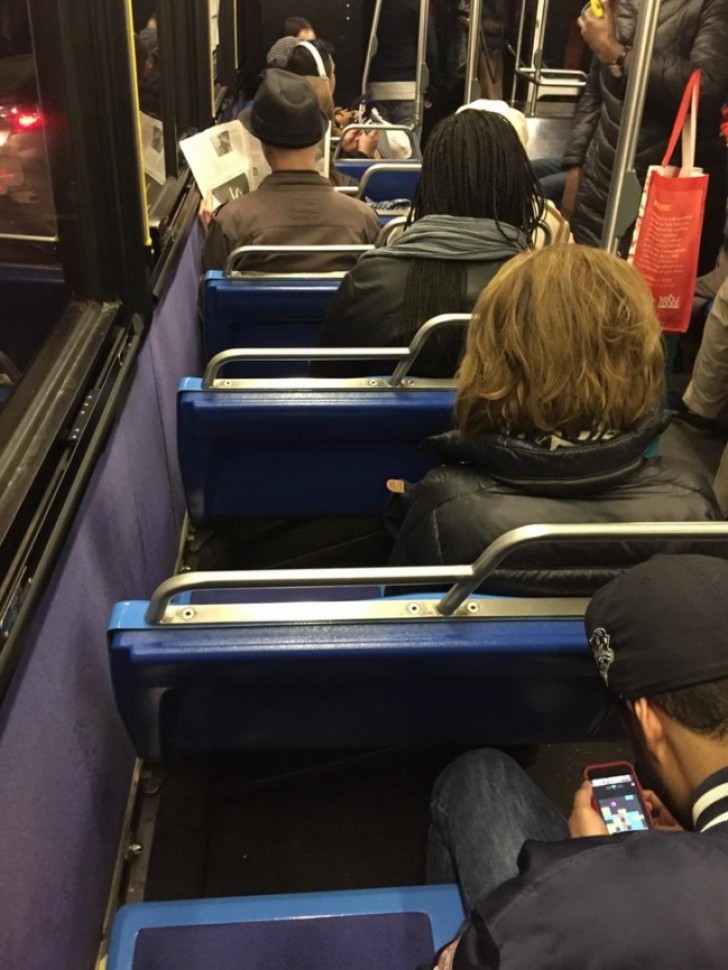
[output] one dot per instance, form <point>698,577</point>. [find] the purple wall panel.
<point>177,352</point>
<point>65,761</point>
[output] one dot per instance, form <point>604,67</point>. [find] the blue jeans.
<point>397,112</point>
<point>551,176</point>
<point>483,808</point>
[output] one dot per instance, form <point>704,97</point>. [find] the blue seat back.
<point>303,453</point>
<point>365,682</point>
<point>384,928</point>
<point>260,312</point>
<point>353,167</point>
<point>383,183</point>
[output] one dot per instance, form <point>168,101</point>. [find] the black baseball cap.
<point>285,112</point>
<point>661,626</point>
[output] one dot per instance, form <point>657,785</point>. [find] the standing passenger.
<point>690,34</point>
<point>393,74</point>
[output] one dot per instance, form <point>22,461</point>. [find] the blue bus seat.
<point>298,448</point>
<point>303,453</point>
<point>258,311</point>
<point>454,668</point>
<point>318,682</point>
<point>387,181</point>
<point>384,928</point>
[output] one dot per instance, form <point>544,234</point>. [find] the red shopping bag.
<point>666,243</point>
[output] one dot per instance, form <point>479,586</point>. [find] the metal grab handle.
<point>471,70</point>
<point>382,168</point>
<point>422,78</point>
<point>373,126</point>
<point>466,578</point>
<point>616,221</point>
<point>301,250</point>
<point>393,224</point>
<point>406,356</point>
<point>529,535</point>
<point>296,579</point>
<point>420,339</point>
<point>296,353</point>
<point>373,45</point>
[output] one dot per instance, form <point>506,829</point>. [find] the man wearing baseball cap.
<point>547,893</point>
<point>294,206</point>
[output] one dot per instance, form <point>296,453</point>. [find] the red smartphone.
<point>617,796</point>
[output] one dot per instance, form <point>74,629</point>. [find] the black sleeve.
<point>669,72</point>
<point>360,315</point>
<point>585,120</point>
<point>217,247</point>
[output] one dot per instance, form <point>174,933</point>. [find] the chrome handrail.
<point>383,237</point>
<point>466,578</point>
<point>373,45</point>
<point>405,356</point>
<point>383,167</point>
<point>529,535</point>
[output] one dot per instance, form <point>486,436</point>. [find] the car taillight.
<point>28,120</point>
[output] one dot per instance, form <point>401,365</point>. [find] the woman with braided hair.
<point>477,205</point>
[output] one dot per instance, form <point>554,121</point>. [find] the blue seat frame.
<point>260,312</point>
<point>363,682</point>
<point>440,905</point>
<point>304,453</point>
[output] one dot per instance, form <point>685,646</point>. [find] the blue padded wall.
<point>65,760</point>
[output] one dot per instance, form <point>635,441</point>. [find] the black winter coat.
<point>368,311</point>
<point>642,899</point>
<point>690,34</point>
<point>502,483</point>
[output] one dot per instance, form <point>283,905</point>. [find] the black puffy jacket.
<point>502,483</point>
<point>368,311</point>
<point>690,34</point>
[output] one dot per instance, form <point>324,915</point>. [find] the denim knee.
<point>472,776</point>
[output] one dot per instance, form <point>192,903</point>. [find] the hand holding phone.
<point>618,797</point>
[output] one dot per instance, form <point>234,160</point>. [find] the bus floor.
<point>236,825</point>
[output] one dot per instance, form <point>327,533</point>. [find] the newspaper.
<point>227,161</point>
<point>153,148</point>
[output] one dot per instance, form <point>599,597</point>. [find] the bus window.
<point>27,210</point>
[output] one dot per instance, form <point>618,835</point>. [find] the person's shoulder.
<point>603,883</point>
<point>232,212</point>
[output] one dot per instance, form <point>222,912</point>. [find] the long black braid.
<point>473,165</point>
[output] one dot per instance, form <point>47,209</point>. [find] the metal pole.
<point>373,45</point>
<point>625,190</point>
<point>471,71</point>
<point>423,73</point>
<point>519,50</point>
<point>539,36</point>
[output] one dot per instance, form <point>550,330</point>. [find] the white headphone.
<point>318,60</point>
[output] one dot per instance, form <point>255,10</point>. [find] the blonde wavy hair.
<point>564,339</point>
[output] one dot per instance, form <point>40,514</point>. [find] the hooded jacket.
<point>496,483</point>
<point>690,34</point>
<point>369,307</point>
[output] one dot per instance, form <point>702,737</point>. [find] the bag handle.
<point>687,112</point>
